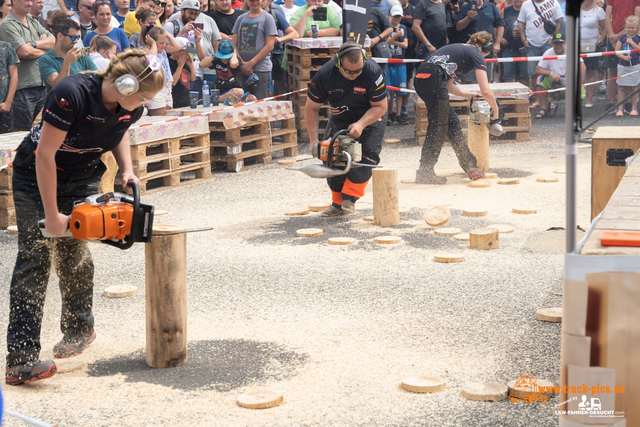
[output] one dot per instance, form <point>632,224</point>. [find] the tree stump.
<point>485,238</point>
<point>386,203</point>
<point>166,297</point>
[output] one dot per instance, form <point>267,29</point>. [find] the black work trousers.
<point>443,121</point>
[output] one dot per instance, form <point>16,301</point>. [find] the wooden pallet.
<point>187,174</point>
<point>310,57</point>
<point>241,161</point>
<point>160,150</point>
<point>7,217</point>
<point>6,176</point>
<point>303,73</point>
<point>288,143</point>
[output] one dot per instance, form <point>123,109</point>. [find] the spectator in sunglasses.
<point>65,58</point>
<point>84,17</point>
<point>167,12</point>
<point>102,13</point>
<point>53,16</point>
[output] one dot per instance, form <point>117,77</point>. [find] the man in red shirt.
<point>616,13</point>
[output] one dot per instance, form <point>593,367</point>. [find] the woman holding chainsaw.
<point>433,83</point>
<point>58,164</point>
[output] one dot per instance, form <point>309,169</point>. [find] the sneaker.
<point>627,108</point>
<point>391,119</point>
<point>401,121</point>
<point>332,211</point>
<point>620,112</point>
<point>29,372</point>
<point>609,108</point>
<point>404,113</point>
<point>348,206</point>
<point>634,112</point>
<point>70,347</point>
<point>474,174</point>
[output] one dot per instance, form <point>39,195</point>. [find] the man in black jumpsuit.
<point>357,94</point>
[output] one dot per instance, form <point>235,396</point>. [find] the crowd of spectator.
<point>39,49</point>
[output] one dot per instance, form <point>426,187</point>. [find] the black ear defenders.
<point>346,48</point>
<point>487,47</point>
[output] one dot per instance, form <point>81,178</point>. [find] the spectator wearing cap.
<point>184,24</point>
<point>553,74</point>
<point>65,58</point>
<point>131,24</point>
<point>285,33</point>
<point>534,38</point>
<point>430,27</point>
<point>485,17</point>
<point>225,17</point>
<point>397,73</point>
<point>30,41</point>
<point>254,35</point>
<point>228,68</point>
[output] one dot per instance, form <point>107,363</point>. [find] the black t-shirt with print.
<point>377,24</point>
<point>75,106</point>
<point>228,78</point>
<point>226,22</point>
<point>180,92</point>
<point>434,22</point>
<point>457,59</point>
<point>349,99</point>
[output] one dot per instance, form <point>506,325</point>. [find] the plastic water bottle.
<point>206,95</point>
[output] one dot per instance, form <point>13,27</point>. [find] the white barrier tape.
<point>28,420</point>
<point>515,59</point>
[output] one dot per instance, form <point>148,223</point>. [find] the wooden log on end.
<point>386,202</point>
<point>484,238</point>
<point>479,144</point>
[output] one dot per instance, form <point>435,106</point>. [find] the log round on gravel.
<point>309,232</point>
<point>484,238</point>
<point>509,181</point>
<point>261,399</point>
<point>387,240</point>
<point>553,314</point>
<point>318,207</point>
<point>480,183</point>
<point>368,218</point>
<point>524,210</point>
<point>392,140</point>
<point>287,162</point>
<point>342,240</point>
<point>502,228</point>
<point>448,258</point>
<point>424,384</point>
<point>438,216</point>
<point>485,391</point>
<point>120,291</point>
<point>297,212</point>
<point>489,175</point>
<point>462,237</point>
<point>547,179</point>
<point>475,212</point>
<point>447,231</point>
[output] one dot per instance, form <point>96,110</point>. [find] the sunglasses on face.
<point>163,4</point>
<point>73,38</point>
<point>352,72</point>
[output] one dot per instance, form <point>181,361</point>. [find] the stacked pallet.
<point>517,118</point>
<point>168,153</point>
<point>305,57</point>
<point>8,144</point>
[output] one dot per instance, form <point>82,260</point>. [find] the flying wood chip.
<point>438,216</point>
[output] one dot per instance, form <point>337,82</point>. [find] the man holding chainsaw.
<point>356,90</point>
<point>58,164</point>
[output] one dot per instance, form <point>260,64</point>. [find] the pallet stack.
<point>168,153</point>
<point>8,144</point>
<point>305,57</point>
<point>517,119</point>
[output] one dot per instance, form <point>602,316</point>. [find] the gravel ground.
<point>335,327</point>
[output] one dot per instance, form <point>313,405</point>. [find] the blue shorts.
<point>397,76</point>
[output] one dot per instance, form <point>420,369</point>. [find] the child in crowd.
<point>156,39</point>
<point>8,84</point>
<point>397,73</point>
<point>228,67</point>
<point>146,18</point>
<point>629,64</point>
<point>103,50</point>
<point>182,77</point>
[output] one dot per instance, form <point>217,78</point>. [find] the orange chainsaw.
<point>116,219</point>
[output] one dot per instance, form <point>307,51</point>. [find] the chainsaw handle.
<point>334,138</point>
<point>126,244</point>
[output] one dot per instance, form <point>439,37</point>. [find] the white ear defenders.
<point>128,84</point>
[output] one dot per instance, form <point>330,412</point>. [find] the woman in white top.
<point>103,50</point>
<point>592,30</point>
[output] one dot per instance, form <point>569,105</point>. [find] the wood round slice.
<point>120,291</point>
<point>542,387</point>
<point>524,210</point>
<point>261,399</point>
<point>485,391</point>
<point>448,258</point>
<point>168,229</point>
<point>387,240</point>
<point>447,231</point>
<point>342,240</point>
<point>318,207</point>
<point>480,183</point>
<point>287,162</point>
<point>369,218</point>
<point>309,232</point>
<point>560,171</point>
<point>297,212</point>
<point>462,237</point>
<point>424,384</point>
<point>438,216</point>
<point>475,212</point>
<point>404,211</point>
<point>489,175</point>
<point>547,179</point>
<point>502,228</point>
<point>392,140</point>
<point>70,365</point>
<point>550,314</point>
<point>12,229</point>
<point>160,212</point>
<point>509,181</point>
